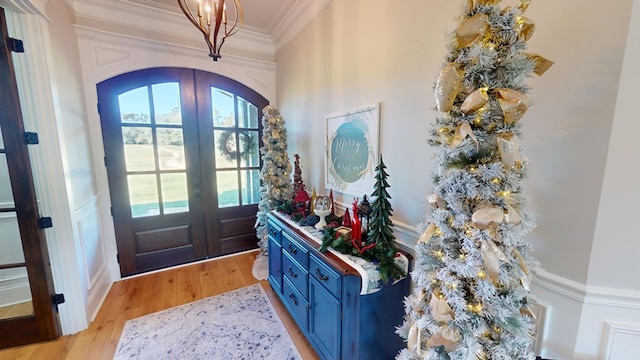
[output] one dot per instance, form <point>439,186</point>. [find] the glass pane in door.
<point>170,149</point>
<point>247,114</point>
<point>143,195</point>
<point>166,103</point>
<point>138,148</point>
<point>134,106</point>
<point>15,290</point>
<point>226,150</point>
<point>174,193</point>
<point>250,148</point>
<point>222,105</point>
<point>228,192</point>
<point>250,186</point>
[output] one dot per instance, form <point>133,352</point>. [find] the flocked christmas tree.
<point>380,232</point>
<point>472,269</point>
<point>276,189</point>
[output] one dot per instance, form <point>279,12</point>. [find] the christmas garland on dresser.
<point>228,150</point>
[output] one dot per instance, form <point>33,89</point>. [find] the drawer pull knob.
<point>292,297</point>
<point>292,249</point>
<point>293,275</point>
<point>321,276</point>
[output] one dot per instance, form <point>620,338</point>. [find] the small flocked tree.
<point>472,270</point>
<point>276,189</point>
<point>380,232</point>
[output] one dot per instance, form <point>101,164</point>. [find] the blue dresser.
<point>322,294</point>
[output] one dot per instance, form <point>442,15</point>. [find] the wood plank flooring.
<point>138,296</point>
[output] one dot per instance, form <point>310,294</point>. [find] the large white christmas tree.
<point>472,269</point>
<point>276,188</point>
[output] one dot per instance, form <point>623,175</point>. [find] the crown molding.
<point>145,17</point>
<point>298,16</point>
<point>31,7</point>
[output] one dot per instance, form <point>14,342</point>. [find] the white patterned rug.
<point>239,324</point>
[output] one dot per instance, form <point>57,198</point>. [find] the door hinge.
<point>111,210</point>
<point>118,258</point>
<point>30,138</point>
<point>15,45</point>
<point>57,299</point>
<point>105,161</point>
<point>45,222</point>
<point>98,106</point>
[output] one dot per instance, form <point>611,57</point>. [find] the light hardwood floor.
<point>134,297</point>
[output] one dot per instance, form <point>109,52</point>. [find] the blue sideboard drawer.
<point>296,250</point>
<point>274,232</point>
<point>295,274</point>
<point>296,303</point>
<point>275,265</point>
<point>326,276</point>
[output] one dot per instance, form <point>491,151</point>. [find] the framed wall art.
<point>352,149</point>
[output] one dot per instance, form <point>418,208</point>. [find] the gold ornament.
<point>448,86</point>
<point>509,148</point>
<point>436,201</point>
<point>440,309</point>
<point>513,103</point>
<point>488,216</point>
<point>472,30</point>
<point>477,308</point>
<point>542,64</point>
<point>524,5</point>
<point>461,133</point>
<point>525,28</point>
<point>427,234</point>
<point>475,100</point>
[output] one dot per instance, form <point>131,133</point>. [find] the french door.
<point>183,165</point>
<point>27,312</point>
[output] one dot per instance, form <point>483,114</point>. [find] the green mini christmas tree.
<point>380,232</point>
<point>472,270</point>
<point>276,189</point>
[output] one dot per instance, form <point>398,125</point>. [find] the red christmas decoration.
<point>346,220</point>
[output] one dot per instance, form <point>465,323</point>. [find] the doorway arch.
<point>182,156</point>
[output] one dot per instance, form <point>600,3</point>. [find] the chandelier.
<point>210,17</point>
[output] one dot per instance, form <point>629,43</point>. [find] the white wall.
<point>357,52</point>
<point>105,54</point>
<point>615,244</point>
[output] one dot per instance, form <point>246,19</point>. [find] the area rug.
<point>239,324</point>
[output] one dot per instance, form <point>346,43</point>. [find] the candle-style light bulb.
<point>224,14</point>
<point>199,8</point>
<point>207,9</point>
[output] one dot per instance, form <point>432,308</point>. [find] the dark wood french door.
<point>27,313</point>
<point>183,165</point>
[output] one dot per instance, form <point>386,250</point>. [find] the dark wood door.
<point>27,314</point>
<point>177,194</point>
